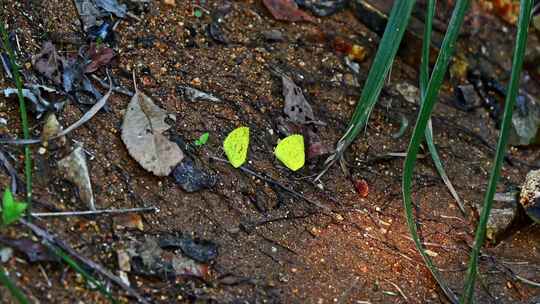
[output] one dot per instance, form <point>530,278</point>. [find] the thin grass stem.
<point>380,68</point>
<point>13,289</point>
<point>429,98</point>
<point>424,79</point>
<point>513,87</point>
<point>24,115</point>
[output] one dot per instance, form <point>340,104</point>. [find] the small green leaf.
<point>290,151</point>
<point>12,210</point>
<point>202,140</point>
<point>236,146</point>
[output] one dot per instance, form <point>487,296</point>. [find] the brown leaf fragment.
<point>99,56</point>
<point>142,133</point>
<point>297,108</point>
<point>48,62</point>
<point>286,10</point>
<point>128,221</point>
<point>74,169</point>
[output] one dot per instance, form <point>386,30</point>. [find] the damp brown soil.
<point>292,251</point>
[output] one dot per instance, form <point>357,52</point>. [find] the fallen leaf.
<point>99,56</point>
<point>236,146</point>
<point>51,128</point>
<point>158,262</point>
<point>286,10</point>
<point>38,104</point>
<point>323,8</point>
<point>48,62</point>
<point>184,266</point>
<point>124,262</point>
<point>72,75</point>
<point>316,147</point>
<point>362,187</point>
<point>142,133</point>
<point>200,250</point>
<point>88,12</point>
<point>290,151</point>
<point>297,108</point>
<point>112,6</point>
<point>128,221</point>
<point>193,94</point>
<point>74,169</point>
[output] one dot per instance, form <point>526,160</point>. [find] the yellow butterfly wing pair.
<point>290,150</point>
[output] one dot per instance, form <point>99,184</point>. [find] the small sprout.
<point>12,210</point>
<point>202,140</point>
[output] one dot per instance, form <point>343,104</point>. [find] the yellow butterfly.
<point>290,151</point>
<point>236,146</point>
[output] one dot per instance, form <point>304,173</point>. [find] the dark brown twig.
<point>275,183</point>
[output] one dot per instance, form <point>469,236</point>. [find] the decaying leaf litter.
<point>293,250</point>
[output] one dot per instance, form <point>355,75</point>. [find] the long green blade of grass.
<point>513,87</point>
<point>24,114</point>
<point>390,41</point>
<point>13,289</point>
<point>428,101</point>
<point>424,79</point>
<point>75,266</point>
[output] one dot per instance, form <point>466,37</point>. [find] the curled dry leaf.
<point>142,133</point>
<point>75,170</point>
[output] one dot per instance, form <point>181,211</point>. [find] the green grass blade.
<point>75,266</point>
<point>428,101</point>
<point>513,87</point>
<point>426,44</point>
<point>390,41</point>
<point>24,114</point>
<point>424,79</point>
<point>13,289</point>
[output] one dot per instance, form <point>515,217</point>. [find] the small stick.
<point>276,183</point>
<point>94,212</point>
<point>398,289</point>
<point>47,237</point>
<point>132,15</point>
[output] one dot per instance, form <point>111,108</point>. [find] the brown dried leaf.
<point>48,62</point>
<point>286,10</point>
<point>296,107</point>
<point>128,221</point>
<point>75,169</point>
<point>99,57</point>
<point>142,133</point>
